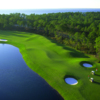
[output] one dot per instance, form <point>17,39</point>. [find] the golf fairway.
<point>54,62</point>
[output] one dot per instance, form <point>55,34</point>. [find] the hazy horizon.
<point>46,11</point>
<point>48,8</point>
<point>52,4</point>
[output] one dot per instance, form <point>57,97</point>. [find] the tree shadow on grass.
<point>73,53</point>
<point>10,33</point>
<point>16,32</point>
<point>20,34</point>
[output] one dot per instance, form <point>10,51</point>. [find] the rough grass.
<point>54,62</point>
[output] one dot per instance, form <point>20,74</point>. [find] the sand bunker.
<point>71,81</point>
<point>3,40</point>
<point>87,65</point>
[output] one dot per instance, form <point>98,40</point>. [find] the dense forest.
<point>78,30</point>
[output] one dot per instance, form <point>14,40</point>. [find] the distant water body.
<point>46,11</point>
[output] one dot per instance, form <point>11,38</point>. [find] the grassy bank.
<point>53,62</point>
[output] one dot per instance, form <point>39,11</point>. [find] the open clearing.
<point>54,62</point>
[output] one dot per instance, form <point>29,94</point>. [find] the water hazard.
<point>18,81</point>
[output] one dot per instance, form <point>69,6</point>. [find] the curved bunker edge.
<point>3,40</point>
<point>71,77</point>
<point>90,64</point>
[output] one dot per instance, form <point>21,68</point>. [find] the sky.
<point>48,4</point>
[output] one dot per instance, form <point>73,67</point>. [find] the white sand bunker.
<point>71,81</point>
<point>3,40</point>
<point>87,65</point>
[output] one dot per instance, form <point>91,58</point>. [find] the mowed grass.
<point>53,62</point>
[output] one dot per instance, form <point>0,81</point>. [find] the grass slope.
<point>53,62</point>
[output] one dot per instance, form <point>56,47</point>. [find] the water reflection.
<point>18,81</point>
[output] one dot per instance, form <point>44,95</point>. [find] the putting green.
<point>53,62</point>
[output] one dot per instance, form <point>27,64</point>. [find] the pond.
<point>18,81</point>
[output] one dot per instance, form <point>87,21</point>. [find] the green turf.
<point>53,62</point>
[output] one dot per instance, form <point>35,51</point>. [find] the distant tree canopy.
<point>97,45</point>
<point>82,26</point>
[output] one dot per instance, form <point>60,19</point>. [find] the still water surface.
<point>18,81</point>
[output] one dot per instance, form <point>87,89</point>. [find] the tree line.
<point>78,30</point>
